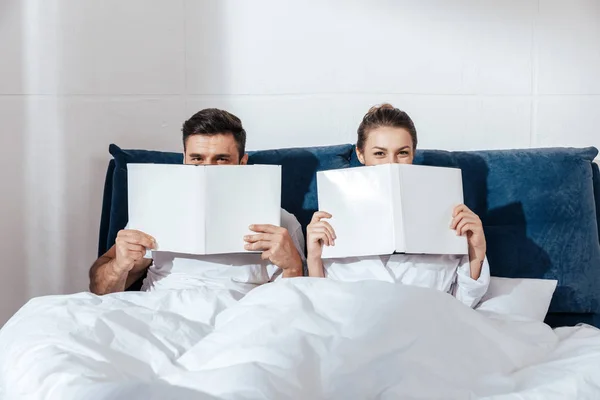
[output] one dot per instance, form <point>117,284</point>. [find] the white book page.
<point>166,202</point>
<point>398,218</point>
<point>429,195</point>
<point>360,202</point>
<point>237,197</point>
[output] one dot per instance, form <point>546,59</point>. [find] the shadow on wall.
<point>510,252</point>
<point>13,214</point>
<point>13,247</point>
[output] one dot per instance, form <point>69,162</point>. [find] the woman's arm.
<point>475,268</point>
<point>466,222</point>
<point>318,233</point>
<point>474,271</point>
<point>468,290</point>
<point>315,267</point>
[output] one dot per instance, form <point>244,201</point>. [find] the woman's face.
<point>387,145</point>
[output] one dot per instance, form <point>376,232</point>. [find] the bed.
<point>314,338</point>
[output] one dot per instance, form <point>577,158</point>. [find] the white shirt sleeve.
<point>468,290</point>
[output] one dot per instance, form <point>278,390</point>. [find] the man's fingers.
<point>134,233</point>
<point>137,255</point>
<point>133,256</point>
<point>266,255</point>
<point>128,244</point>
<point>265,237</point>
<point>319,215</point>
<point>137,237</point>
<point>265,228</point>
<point>135,247</point>
<point>258,246</point>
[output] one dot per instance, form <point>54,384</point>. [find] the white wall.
<point>78,75</point>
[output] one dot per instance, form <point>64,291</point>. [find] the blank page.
<point>360,201</point>
<point>166,202</point>
<point>238,196</point>
<point>429,195</point>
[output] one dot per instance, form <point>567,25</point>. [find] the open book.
<point>392,208</point>
<point>202,209</point>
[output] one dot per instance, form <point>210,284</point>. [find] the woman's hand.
<point>318,233</point>
<point>466,222</point>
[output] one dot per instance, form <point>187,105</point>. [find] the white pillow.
<point>529,298</point>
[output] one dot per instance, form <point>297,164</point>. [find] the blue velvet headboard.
<point>540,209</point>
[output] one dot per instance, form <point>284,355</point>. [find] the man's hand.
<point>277,246</point>
<point>122,264</point>
<point>130,247</point>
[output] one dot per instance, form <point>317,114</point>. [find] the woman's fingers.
<point>461,208</point>
<point>321,236</point>
<point>468,227</point>
<point>321,233</point>
<point>319,215</point>
<point>322,228</point>
<point>329,228</point>
<point>463,215</point>
<point>461,225</point>
<point>458,209</point>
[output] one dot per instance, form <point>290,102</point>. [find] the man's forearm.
<point>294,271</point>
<point>104,278</point>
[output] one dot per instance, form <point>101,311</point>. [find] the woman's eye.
<point>378,153</point>
<point>404,153</point>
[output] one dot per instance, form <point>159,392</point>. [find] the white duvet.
<point>301,338</point>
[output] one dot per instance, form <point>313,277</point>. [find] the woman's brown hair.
<point>385,115</point>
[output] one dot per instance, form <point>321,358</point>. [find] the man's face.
<point>217,149</point>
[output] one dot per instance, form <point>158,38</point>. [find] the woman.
<point>387,135</point>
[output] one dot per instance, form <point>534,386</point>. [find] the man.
<point>210,137</point>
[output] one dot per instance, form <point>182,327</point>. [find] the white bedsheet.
<point>296,338</point>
